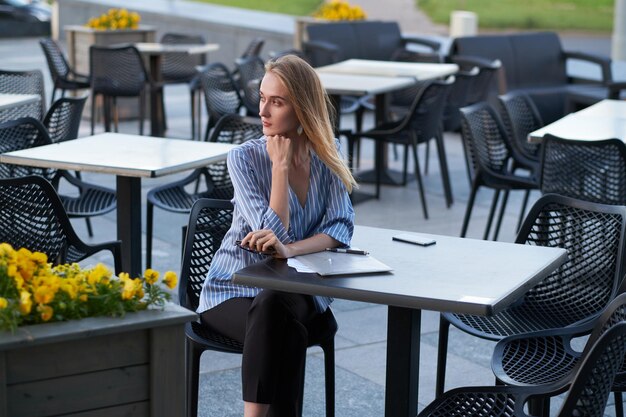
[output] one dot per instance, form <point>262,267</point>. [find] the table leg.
<point>129,223</point>
<point>403,352</point>
<point>157,127</point>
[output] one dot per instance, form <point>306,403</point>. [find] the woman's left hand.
<point>266,241</point>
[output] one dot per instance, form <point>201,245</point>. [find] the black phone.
<point>247,248</point>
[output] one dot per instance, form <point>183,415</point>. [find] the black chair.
<point>221,94</point>
<point>547,359</point>
<point>62,122</point>
<point>32,216</point>
<point>463,83</point>
<point>587,395</point>
<point>253,48</point>
<point>117,72</point>
<point>182,68</point>
<point>208,224</point>
<point>587,170</point>
<point>251,70</point>
<point>489,156</point>
<point>175,197</point>
<point>520,117</point>
<point>24,82</point>
<point>575,293</point>
<point>421,124</point>
<point>63,76</point>
<point>90,200</point>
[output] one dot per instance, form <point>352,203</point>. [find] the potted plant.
<point>328,11</point>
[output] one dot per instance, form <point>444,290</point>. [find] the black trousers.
<point>272,328</point>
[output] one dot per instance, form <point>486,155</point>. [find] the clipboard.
<point>331,263</point>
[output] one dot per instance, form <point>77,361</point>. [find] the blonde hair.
<point>313,110</point>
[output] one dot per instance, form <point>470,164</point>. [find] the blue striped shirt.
<point>327,210</point>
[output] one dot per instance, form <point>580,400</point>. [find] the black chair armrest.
<point>603,62</point>
<point>615,89</point>
<point>466,62</point>
<point>320,53</point>
<point>430,43</point>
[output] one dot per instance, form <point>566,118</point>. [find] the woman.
<point>291,198</point>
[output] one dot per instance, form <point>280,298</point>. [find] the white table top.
<point>360,85</point>
<point>603,120</point>
<point>456,274</point>
<point>155,48</point>
<point>8,101</point>
<point>418,70</point>
<point>122,154</point>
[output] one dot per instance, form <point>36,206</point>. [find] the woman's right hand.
<point>279,150</point>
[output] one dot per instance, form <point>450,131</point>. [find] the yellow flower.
<point>170,279</point>
<point>45,312</point>
<point>151,276</point>
<point>26,303</point>
<point>3,303</point>
<point>44,295</point>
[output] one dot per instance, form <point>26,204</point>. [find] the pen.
<point>350,251</point>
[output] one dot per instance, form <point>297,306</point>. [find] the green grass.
<point>588,15</point>
<point>292,7</point>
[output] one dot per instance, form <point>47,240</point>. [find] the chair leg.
<point>492,212</point>
<point>93,112</point>
<point>501,215</point>
<point>149,224</point>
<point>193,378</point>
<point>443,167</point>
<point>405,165</point>
<point>418,177</point>
<point>329,370</point>
<point>107,113</point>
<point>426,157</point>
<point>116,115</point>
<point>142,111</point>
<point>442,355</point>
<point>619,404</point>
<point>523,211</point>
<point>192,94</point>
<point>470,206</point>
<point>89,228</point>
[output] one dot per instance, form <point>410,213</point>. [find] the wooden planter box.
<point>80,38</point>
<point>129,366</point>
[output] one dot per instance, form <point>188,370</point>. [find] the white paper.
<point>299,266</point>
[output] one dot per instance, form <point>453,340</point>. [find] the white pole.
<point>618,47</point>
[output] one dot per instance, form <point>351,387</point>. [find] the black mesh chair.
<point>577,292</point>
<point>182,68</point>
<point>32,216</point>
<point>253,48</point>
<point>421,124</point>
<point>117,72</point>
<point>251,70</point>
<point>208,224</point>
<point>458,98</point>
<point>587,396</point>
<point>489,158</point>
<point>211,181</point>
<point>90,200</point>
<point>520,117</point>
<point>62,122</point>
<point>23,82</point>
<point>221,94</point>
<point>63,76</point>
<point>547,359</point>
<point>588,170</point>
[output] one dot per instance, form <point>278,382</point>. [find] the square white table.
<point>456,274</point>
<point>603,120</point>
<point>13,106</point>
<point>418,70</point>
<point>129,158</point>
<point>155,52</point>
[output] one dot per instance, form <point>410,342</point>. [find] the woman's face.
<point>276,111</point>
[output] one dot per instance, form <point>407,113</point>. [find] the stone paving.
<point>361,340</point>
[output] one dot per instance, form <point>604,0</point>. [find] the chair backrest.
<point>520,117</point>
<point>24,82</point>
<point>21,134</point>
<point>179,66</point>
<point>251,70</point>
<point>63,118</point>
<point>588,170</point>
<point>117,71</point>
<point>484,140</point>
<point>589,392</point>
<point>208,223</point>
<point>593,235</point>
<point>253,48</point>
<point>463,83</point>
<point>57,64</point>
<point>233,129</point>
<point>426,113</point>
<point>32,216</point>
<point>221,94</point>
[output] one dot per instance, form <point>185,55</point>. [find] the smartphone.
<point>414,239</point>
<point>272,251</point>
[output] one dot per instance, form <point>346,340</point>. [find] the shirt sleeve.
<point>251,200</point>
<point>338,222</point>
